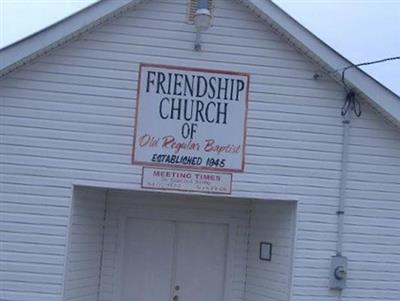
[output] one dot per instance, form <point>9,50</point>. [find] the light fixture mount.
<point>202,21</point>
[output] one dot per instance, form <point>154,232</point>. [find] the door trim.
<point>158,213</point>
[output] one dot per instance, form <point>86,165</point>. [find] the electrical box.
<point>338,272</point>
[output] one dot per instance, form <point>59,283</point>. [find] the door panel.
<point>148,255</point>
<point>201,251</point>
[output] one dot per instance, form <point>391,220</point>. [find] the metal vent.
<point>192,7</point>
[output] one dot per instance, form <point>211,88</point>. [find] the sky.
<point>360,30</point>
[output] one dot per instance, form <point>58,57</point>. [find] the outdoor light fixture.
<point>202,21</point>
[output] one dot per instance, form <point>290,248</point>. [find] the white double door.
<point>170,260</point>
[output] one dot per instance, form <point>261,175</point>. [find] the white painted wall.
<point>372,223</point>
<point>85,246</point>
<point>67,118</point>
<point>274,223</point>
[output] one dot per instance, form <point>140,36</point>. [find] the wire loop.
<point>351,104</point>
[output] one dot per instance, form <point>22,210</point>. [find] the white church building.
<point>189,150</point>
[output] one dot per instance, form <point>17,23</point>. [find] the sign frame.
<point>195,69</point>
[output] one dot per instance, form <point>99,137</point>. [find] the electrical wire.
<point>351,104</point>
<point>344,69</point>
<point>366,64</point>
<point>372,62</point>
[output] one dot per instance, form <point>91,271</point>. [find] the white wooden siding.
<point>372,223</point>
<point>85,245</point>
<point>273,223</point>
<point>67,118</point>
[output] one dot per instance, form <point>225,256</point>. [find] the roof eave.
<point>386,101</point>
<point>16,54</point>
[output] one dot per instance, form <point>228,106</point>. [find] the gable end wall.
<point>67,118</point>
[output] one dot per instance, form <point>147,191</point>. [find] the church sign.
<point>186,180</point>
<point>190,118</point>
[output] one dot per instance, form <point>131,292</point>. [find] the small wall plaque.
<point>265,251</point>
